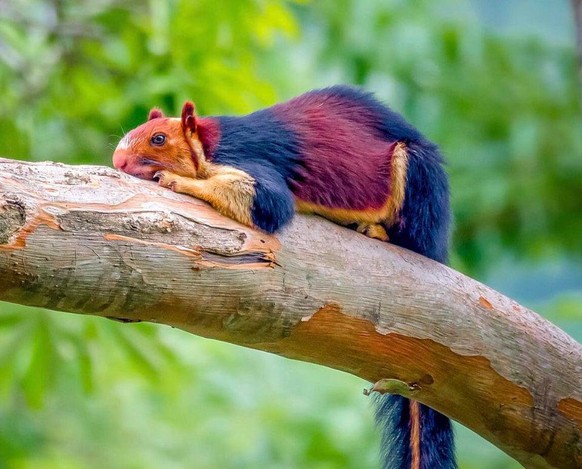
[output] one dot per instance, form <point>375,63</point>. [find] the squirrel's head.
<point>161,143</point>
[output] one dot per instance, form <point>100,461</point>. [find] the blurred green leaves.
<point>39,350</point>
<point>75,71</point>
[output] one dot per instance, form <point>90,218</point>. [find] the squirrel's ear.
<point>188,117</point>
<point>155,113</point>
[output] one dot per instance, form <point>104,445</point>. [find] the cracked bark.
<point>90,240</point>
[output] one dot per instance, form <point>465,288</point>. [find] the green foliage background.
<point>502,100</point>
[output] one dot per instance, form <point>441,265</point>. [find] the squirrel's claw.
<point>166,179</point>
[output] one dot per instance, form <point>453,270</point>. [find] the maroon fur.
<point>334,137</point>
<point>209,135</point>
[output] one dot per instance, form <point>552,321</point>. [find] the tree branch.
<point>91,240</point>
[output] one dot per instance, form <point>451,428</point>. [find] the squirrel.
<point>337,152</point>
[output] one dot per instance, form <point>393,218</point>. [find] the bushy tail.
<point>425,215</point>
<point>414,436</point>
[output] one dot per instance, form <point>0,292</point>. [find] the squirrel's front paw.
<point>167,179</point>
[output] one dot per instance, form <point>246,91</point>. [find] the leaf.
<point>43,366</point>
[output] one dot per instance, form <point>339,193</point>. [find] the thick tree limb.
<point>93,241</point>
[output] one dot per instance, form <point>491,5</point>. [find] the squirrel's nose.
<point>119,160</point>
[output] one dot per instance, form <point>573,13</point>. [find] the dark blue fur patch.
<point>273,205</point>
<point>258,138</point>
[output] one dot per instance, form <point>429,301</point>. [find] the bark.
<point>91,240</point>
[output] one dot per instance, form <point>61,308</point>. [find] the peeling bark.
<point>90,240</point>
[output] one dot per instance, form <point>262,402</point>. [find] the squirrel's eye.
<point>158,139</point>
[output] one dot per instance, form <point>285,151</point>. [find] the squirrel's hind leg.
<point>372,230</point>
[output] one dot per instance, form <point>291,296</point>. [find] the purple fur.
<point>345,157</point>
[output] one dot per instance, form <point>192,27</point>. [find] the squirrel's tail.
<point>414,436</point>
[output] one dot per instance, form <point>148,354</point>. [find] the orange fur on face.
<point>181,153</point>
